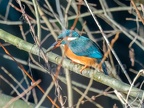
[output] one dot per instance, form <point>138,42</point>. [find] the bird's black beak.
<point>54,45</point>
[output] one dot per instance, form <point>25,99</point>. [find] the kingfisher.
<point>80,49</point>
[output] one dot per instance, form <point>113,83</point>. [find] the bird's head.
<point>67,36</point>
<point>64,38</point>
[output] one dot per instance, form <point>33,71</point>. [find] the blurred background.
<point>120,16</point>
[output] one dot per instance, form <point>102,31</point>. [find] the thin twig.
<point>7,10</point>
<point>69,88</point>
<point>22,94</point>
<point>115,9</point>
<point>12,77</point>
<point>89,99</point>
<point>37,19</point>
<point>60,14</point>
<point>107,53</point>
<point>12,86</point>
<point>54,14</point>
<point>141,72</point>
<point>45,94</point>
<point>66,12</point>
<point>85,93</point>
<point>138,13</point>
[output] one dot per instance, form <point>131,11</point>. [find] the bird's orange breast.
<point>87,61</point>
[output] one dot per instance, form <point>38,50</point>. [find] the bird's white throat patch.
<point>71,38</point>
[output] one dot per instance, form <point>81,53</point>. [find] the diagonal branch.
<point>97,76</point>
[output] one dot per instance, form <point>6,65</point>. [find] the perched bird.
<point>80,49</point>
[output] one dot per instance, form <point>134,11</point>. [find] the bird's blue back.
<point>85,47</point>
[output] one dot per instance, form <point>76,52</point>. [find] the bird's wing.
<point>85,47</point>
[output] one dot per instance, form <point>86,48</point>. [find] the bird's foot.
<point>83,68</point>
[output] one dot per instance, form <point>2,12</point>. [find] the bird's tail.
<point>103,67</point>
